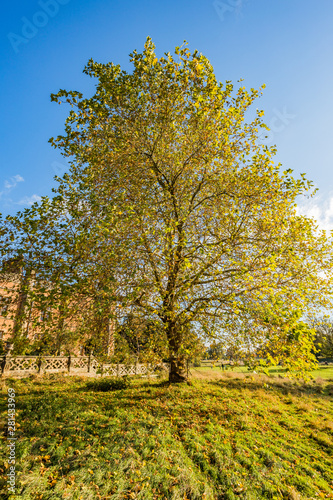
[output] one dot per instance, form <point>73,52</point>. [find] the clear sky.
<point>44,45</point>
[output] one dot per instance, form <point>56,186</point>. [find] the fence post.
<point>89,361</point>
<point>7,363</point>
<point>69,363</point>
<point>39,364</point>
<point>3,364</point>
<point>117,370</point>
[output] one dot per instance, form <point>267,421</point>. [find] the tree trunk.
<point>178,372</point>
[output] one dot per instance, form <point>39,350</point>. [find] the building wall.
<point>14,303</point>
<point>9,292</point>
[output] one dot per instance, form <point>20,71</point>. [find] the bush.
<point>106,384</point>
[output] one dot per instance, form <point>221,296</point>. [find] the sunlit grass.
<point>239,436</point>
<point>324,372</point>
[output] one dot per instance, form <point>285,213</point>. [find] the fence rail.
<point>16,366</point>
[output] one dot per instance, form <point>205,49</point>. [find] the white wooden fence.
<point>20,366</point>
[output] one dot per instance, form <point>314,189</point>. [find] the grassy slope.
<point>233,437</point>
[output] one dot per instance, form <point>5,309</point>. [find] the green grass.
<point>236,437</point>
<point>324,372</point>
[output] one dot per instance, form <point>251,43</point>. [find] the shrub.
<point>106,384</point>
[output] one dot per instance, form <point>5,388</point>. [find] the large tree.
<point>175,199</point>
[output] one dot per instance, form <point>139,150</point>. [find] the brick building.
<point>22,321</point>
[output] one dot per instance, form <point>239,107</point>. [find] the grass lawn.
<point>230,436</point>
<point>323,372</point>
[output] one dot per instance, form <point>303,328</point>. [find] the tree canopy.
<point>173,211</point>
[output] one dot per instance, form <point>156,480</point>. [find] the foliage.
<point>216,350</point>
<point>323,327</point>
<point>144,338</point>
<point>2,348</point>
<point>292,345</point>
<point>174,212</point>
<point>229,438</point>
<point>106,384</point>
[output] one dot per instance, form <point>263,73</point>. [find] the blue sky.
<point>45,44</point>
